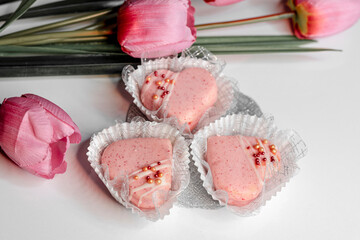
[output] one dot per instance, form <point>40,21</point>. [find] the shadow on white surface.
<point>12,173</point>
<point>85,187</point>
<point>111,99</point>
<point>120,86</point>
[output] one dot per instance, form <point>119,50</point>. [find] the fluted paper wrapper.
<point>195,57</point>
<point>139,129</point>
<point>288,142</point>
<point>195,195</point>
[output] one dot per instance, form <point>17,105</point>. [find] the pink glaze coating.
<point>151,88</point>
<point>130,157</point>
<point>192,93</point>
<point>239,168</point>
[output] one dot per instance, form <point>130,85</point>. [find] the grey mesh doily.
<point>195,195</point>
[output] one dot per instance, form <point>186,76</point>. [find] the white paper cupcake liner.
<point>141,129</point>
<point>194,57</point>
<point>288,142</point>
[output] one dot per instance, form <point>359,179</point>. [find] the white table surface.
<point>317,94</point>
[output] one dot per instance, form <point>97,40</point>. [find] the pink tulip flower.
<point>221,2</point>
<point>320,18</point>
<point>35,133</point>
<point>155,28</point>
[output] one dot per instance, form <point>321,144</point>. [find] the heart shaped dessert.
<point>186,95</point>
<point>240,165</point>
<point>148,164</point>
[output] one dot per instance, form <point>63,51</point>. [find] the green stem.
<point>63,65</point>
<point>50,50</point>
<point>245,21</point>
<point>55,25</point>
<point>93,26</point>
<point>203,40</point>
<point>22,8</point>
<point>66,40</point>
<point>40,37</point>
<point>265,51</point>
<point>85,39</point>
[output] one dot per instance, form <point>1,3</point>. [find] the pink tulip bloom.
<point>221,2</point>
<point>156,28</point>
<point>320,18</point>
<point>35,133</point>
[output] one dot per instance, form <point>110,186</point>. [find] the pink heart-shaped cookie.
<point>187,95</point>
<point>240,166</point>
<point>148,164</point>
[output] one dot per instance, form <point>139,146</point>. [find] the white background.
<point>317,94</point>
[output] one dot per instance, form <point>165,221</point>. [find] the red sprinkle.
<point>149,167</point>
<point>162,88</point>
<point>254,155</point>
<point>159,163</point>
<point>155,73</point>
<point>272,159</point>
<point>262,153</point>
<point>163,75</point>
<point>248,147</point>
<point>257,161</point>
<point>159,87</point>
<point>147,82</point>
<point>264,159</point>
<point>147,177</point>
<point>158,172</point>
<point>156,176</point>
<point>167,92</point>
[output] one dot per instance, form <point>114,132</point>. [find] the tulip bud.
<point>35,134</point>
<point>319,18</point>
<point>221,2</point>
<point>155,28</point>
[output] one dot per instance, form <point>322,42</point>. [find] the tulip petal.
<point>60,128</point>
<point>54,161</point>
<point>320,18</point>
<point>221,2</point>
<point>24,130</point>
<point>155,28</point>
<point>59,114</point>
<point>35,134</point>
<point>31,144</point>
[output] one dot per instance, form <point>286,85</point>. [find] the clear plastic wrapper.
<point>288,142</point>
<point>197,57</point>
<point>118,187</point>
